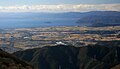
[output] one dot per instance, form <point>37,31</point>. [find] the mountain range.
<point>99,56</point>
<point>101,19</point>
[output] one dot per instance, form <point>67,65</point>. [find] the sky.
<point>58,5</point>
<point>43,2</point>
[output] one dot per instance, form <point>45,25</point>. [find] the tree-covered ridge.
<point>69,57</point>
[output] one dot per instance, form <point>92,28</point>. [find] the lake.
<point>23,23</point>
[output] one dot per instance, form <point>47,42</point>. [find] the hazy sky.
<point>36,2</point>
<point>58,5</point>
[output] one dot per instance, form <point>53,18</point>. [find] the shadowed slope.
<point>69,57</point>
<point>8,61</point>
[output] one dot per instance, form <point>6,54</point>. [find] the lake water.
<point>23,20</point>
<point>23,23</point>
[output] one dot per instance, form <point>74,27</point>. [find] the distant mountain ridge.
<point>58,15</point>
<point>104,18</point>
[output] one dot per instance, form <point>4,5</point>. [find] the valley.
<point>28,38</point>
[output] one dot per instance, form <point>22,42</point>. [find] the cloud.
<point>61,8</point>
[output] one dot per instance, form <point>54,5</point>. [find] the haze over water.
<point>27,22</point>
<point>35,23</point>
